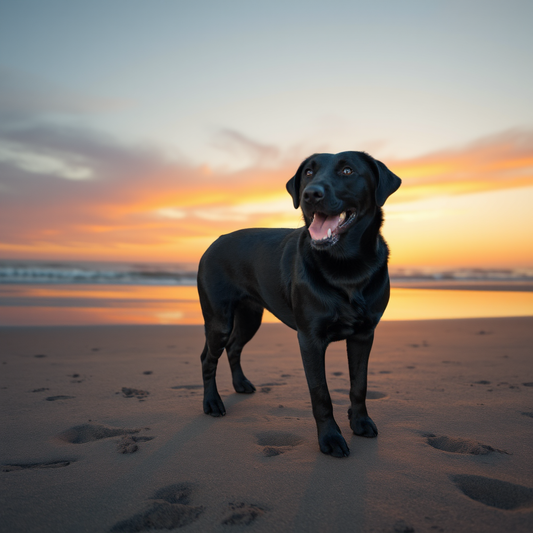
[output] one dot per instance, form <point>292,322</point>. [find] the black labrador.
<point>327,280</point>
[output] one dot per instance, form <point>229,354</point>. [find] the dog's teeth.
<point>342,217</point>
<point>329,233</point>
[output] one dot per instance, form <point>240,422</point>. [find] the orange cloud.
<point>138,205</point>
<point>503,161</point>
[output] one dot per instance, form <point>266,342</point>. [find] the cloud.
<point>134,202</point>
<point>42,164</point>
<point>242,147</point>
<point>133,198</point>
<point>502,161</point>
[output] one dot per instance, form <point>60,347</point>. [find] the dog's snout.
<point>314,194</point>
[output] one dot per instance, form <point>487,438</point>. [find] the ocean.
<point>93,272</point>
<point>117,273</point>
<point>53,293</point>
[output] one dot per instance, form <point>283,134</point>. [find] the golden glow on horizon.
<point>467,207</point>
<point>90,304</point>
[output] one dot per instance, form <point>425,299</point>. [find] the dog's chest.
<point>345,317</point>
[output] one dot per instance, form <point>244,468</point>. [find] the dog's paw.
<point>243,386</point>
<point>214,406</point>
<point>333,443</point>
<point>364,427</point>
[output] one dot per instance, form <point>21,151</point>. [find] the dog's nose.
<point>313,194</point>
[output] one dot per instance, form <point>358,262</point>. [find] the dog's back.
<point>244,268</point>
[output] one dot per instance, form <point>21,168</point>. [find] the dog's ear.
<point>387,182</point>
<point>293,186</point>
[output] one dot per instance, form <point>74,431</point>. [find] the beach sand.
<point>102,429</point>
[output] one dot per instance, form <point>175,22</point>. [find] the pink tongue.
<point>320,225</point>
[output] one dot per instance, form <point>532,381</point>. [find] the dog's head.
<point>336,191</point>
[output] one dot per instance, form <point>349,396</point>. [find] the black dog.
<point>328,280</point>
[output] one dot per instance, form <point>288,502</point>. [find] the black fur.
<point>327,290</point>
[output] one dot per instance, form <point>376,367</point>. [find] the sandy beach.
<point>103,430</point>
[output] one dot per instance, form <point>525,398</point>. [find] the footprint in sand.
<point>375,395</point>
<point>128,392</point>
<point>370,395</point>
<point>462,446</point>
<point>128,443</point>
<point>494,493</point>
<point>242,514</point>
<point>277,442</point>
<point>267,387</point>
<point>168,508</point>
<point>190,390</point>
<point>91,432</point>
<point>32,466</point>
<point>402,527</point>
<point>61,397</point>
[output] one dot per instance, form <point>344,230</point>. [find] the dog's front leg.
<point>359,347</point>
<point>330,438</point>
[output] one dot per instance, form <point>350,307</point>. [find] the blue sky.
<point>397,78</point>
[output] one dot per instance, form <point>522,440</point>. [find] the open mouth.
<point>326,229</point>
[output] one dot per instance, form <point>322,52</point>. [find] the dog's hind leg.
<point>217,336</point>
<point>247,321</point>
<point>359,347</point>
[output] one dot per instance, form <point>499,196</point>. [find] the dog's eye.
<point>308,172</point>
<point>347,171</point>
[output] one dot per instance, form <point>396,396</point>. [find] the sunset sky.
<point>140,131</point>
